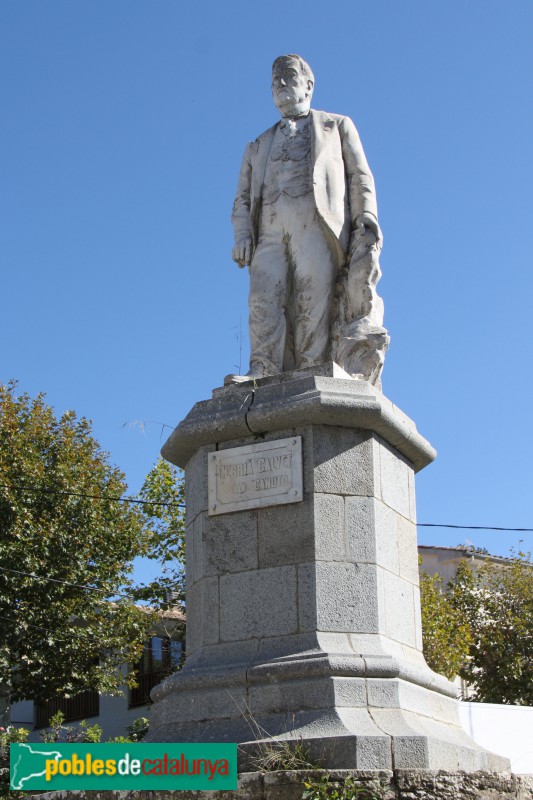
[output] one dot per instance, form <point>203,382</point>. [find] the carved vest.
<point>289,168</point>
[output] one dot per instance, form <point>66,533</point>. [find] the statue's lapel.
<point>321,127</point>
<point>265,143</point>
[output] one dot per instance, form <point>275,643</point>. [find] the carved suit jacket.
<point>343,185</point>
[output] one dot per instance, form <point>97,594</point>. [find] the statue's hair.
<point>304,66</point>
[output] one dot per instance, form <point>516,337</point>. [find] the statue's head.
<point>292,85</point>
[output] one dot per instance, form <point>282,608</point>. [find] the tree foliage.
<point>64,555</point>
<point>498,603</point>
<point>446,631</point>
<point>163,491</point>
<point>491,610</point>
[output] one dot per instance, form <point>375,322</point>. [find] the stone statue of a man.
<point>305,222</point>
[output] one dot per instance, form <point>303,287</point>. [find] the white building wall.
<point>114,717</point>
<point>506,730</point>
<point>22,714</point>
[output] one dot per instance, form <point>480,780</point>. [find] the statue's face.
<point>291,90</point>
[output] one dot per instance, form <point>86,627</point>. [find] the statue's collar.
<point>295,117</point>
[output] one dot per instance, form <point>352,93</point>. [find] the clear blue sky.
<point>122,129</point>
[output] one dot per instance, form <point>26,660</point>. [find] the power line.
<point>473,527</point>
<point>129,596</point>
<point>182,505</point>
<point>65,583</point>
<point>49,630</point>
<point>46,630</point>
<point>93,496</point>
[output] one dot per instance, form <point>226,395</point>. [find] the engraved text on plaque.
<point>257,475</point>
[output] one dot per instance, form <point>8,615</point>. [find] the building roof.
<point>468,551</point>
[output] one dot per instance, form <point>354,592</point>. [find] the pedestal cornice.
<point>294,399</point>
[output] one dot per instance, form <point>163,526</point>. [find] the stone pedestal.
<point>303,620</point>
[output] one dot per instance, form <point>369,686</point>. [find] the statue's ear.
<point>310,85</point>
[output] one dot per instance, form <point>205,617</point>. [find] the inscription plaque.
<point>256,475</point>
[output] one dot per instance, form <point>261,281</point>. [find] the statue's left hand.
<point>367,222</point>
<point>242,252</point>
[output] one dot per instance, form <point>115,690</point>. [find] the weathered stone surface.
<point>316,693</point>
<point>202,614</point>
<point>258,603</point>
<point>360,518</point>
<point>407,550</point>
<point>227,543</point>
<point>286,534</point>
<point>387,539</point>
<point>343,461</point>
<point>383,784</point>
<point>305,220</point>
<point>460,786</point>
<point>346,597</point>
<point>299,533</point>
<point>304,619</point>
<point>394,471</point>
<point>329,520</point>
<point>196,482</point>
<point>189,548</point>
<point>398,611</point>
<point>290,402</point>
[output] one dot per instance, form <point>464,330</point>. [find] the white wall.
<point>22,714</point>
<point>114,717</point>
<point>506,730</point>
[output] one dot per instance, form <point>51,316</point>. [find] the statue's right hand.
<point>242,252</point>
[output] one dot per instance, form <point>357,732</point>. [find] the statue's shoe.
<point>256,371</point>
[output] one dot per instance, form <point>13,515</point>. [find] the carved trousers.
<point>292,279</point>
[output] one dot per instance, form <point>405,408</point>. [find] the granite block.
<point>286,534</point>
<point>386,535</point>
<point>350,692</point>
<point>209,592</point>
<point>307,598</point>
<point>408,550</point>
<point>229,542</point>
<point>412,497</point>
<point>196,483</point>
<point>287,696</point>
<point>276,647</point>
<point>417,612</point>
<point>346,597</point>
<point>329,527</point>
<point>198,550</point>
<point>258,603</point>
<point>189,551</point>
<point>383,693</point>
<point>373,644</point>
<point>202,614</point>
<point>201,705</point>
<point>398,608</point>
<point>194,620</point>
<point>225,653</point>
<point>360,524</point>
<point>395,471</point>
<point>343,461</point>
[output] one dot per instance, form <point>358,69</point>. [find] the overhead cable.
<point>472,527</point>
<point>49,630</point>
<point>182,505</point>
<point>93,496</point>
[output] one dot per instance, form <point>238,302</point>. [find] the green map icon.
<point>27,764</point>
